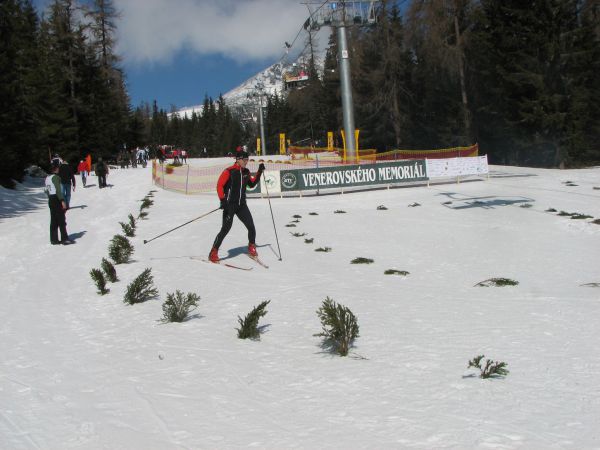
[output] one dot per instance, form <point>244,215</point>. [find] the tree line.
<point>62,91</point>
<point>519,78</point>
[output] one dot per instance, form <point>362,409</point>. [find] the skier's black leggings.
<point>244,215</point>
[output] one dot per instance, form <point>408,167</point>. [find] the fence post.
<point>187,176</point>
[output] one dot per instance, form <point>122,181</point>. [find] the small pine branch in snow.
<point>109,270</point>
<point>132,223</point>
<point>297,216</point>
<point>497,282</point>
<point>339,326</point>
<point>142,215</point>
<point>551,210</point>
<point>382,208</point>
<point>313,214</point>
<point>120,249</point>
<point>526,205</point>
<point>98,278</point>
<point>491,369</point>
<point>396,272</point>
<point>580,216</point>
<point>146,203</point>
<point>597,221</point>
<point>295,221</point>
<point>361,260</point>
<point>298,234</point>
<point>177,307</point>
<point>412,205</point>
<point>141,288</point>
<point>309,241</point>
<point>289,225</point>
<point>127,229</point>
<point>339,211</point>
<point>249,325</point>
<point>323,249</point>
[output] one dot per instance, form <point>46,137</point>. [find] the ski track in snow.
<point>81,370</point>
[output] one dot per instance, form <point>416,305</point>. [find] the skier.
<point>82,169</point>
<point>57,205</point>
<point>231,189</point>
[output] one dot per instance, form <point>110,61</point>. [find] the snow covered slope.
<point>80,370</point>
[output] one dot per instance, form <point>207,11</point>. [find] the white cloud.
<point>153,31</point>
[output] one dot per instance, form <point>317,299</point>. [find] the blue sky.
<point>178,51</point>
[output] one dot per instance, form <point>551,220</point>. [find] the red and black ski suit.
<point>231,189</point>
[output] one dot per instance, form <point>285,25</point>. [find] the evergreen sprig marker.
<point>109,270</point>
<point>249,324</point>
<point>100,281</point>
<point>141,288</point>
<point>120,249</point>
<point>340,327</point>
<point>127,229</point>
<point>491,369</point>
<point>178,307</point>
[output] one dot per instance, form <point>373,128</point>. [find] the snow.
<point>80,370</point>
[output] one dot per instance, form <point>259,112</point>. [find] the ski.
<point>221,263</point>
<point>255,258</point>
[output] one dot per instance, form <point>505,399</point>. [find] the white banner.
<point>454,167</point>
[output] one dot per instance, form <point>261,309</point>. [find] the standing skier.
<point>231,189</point>
<point>57,205</point>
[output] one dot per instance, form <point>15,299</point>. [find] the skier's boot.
<point>252,250</point>
<point>213,256</point>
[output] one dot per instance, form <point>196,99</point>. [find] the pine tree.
<point>20,86</point>
<point>141,288</point>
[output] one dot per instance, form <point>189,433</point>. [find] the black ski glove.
<point>223,204</point>
<point>261,167</point>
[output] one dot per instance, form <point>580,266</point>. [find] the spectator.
<point>67,179</point>
<point>57,205</point>
<point>82,169</point>
<point>101,172</point>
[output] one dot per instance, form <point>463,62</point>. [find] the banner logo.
<point>289,180</point>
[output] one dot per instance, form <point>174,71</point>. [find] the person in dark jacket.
<point>231,189</point>
<point>67,179</point>
<point>57,205</point>
<point>101,172</point>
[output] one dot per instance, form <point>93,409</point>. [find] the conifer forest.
<point>521,79</point>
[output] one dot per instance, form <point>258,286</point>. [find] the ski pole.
<point>193,220</point>
<point>273,219</point>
